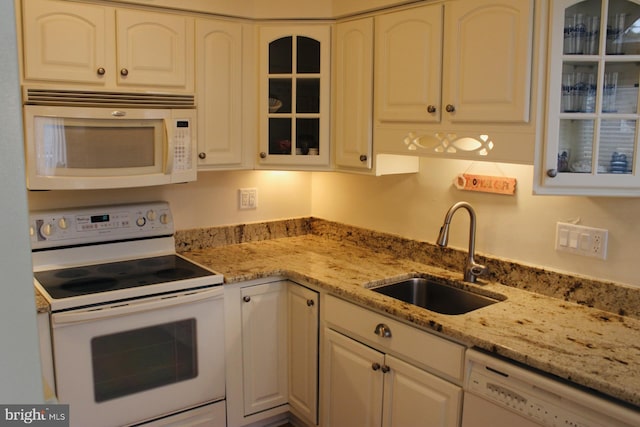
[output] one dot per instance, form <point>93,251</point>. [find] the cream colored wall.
<point>519,228</point>
<point>210,201</point>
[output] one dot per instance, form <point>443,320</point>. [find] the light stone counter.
<point>559,334</point>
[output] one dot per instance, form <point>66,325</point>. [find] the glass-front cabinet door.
<point>591,141</point>
<point>294,95</point>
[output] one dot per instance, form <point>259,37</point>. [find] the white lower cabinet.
<point>272,352</point>
<point>372,382</point>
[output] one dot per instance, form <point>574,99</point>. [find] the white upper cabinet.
<point>409,65</point>
<point>353,93</point>
<point>591,138</point>
<point>455,79</point>
<point>294,96</point>
<point>353,104</point>
<point>487,60</point>
<point>94,46</point>
<point>66,41</point>
<point>154,49</point>
<point>219,49</point>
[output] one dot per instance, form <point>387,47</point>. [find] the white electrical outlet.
<point>581,240</point>
<point>248,198</point>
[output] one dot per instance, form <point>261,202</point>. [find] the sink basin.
<point>435,296</point>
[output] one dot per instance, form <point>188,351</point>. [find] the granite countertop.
<point>591,347</point>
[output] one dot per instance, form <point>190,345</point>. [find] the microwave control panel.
<point>70,227</point>
<point>182,144</point>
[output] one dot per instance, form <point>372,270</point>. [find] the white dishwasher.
<point>498,393</point>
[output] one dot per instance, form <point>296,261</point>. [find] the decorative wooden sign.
<point>486,184</point>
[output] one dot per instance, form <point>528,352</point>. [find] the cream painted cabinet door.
<point>303,352</point>
<point>353,94</point>
<point>264,346</point>
<point>67,42</point>
<point>353,384</point>
<point>294,96</point>
<point>155,49</point>
<point>413,397</point>
<point>219,93</point>
<point>408,46</point>
<point>487,60</point>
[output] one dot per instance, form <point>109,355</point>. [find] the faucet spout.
<point>472,269</point>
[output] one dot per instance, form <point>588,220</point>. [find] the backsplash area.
<point>607,296</point>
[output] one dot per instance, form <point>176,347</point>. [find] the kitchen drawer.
<point>420,347</point>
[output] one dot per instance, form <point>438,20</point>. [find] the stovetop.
<point>101,255</point>
<point>114,276</point>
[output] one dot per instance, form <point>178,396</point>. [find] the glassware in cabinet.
<point>592,122</point>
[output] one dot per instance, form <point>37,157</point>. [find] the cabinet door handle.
<point>385,369</point>
<point>375,366</point>
<point>246,299</point>
<point>101,71</point>
<point>382,330</point>
<point>310,303</point>
<point>552,173</point>
<point>431,109</point>
<point>450,108</point>
<point>363,157</point>
<point>263,155</point>
<point>124,72</point>
<point>202,155</point>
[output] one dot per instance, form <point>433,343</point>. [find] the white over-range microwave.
<point>99,140</point>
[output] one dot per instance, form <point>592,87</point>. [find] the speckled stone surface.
<point>42,306</point>
<point>546,320</point>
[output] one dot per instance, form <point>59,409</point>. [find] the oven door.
<point>129,362</point>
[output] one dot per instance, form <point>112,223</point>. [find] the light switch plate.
<point>248,198</point>
<point>581,240</point>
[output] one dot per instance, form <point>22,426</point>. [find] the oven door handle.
<point>61,319</point>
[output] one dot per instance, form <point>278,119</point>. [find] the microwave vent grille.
<point>33,96</point>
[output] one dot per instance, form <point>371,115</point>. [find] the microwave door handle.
<point>61,319</point>
<point>170,154</point>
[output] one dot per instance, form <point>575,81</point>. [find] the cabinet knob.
<point>310,303</point>
<point>385,369</point>
<point>363,157</point>
<point>375,366</point>
<point>101,71</point>
<point>124,72</point>
<point>246,299</point>
<point>263,155</point>
<point>431,109</point>
<point>202,155</point>
<point>552,173</point>
<point>450,108</point>
<point>382,330</point>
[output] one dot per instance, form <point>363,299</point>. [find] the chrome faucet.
<point>471,269</point>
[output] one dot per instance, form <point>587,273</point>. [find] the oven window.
<point>142,359</point>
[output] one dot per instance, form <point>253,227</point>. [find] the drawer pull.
<point>246,298</point>
<point>382,331</point>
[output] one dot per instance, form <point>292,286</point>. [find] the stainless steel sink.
<point>435,296</point>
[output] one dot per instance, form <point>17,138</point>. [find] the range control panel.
<point>77,226</point>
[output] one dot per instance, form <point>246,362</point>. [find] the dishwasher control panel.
<point>542,399</point>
